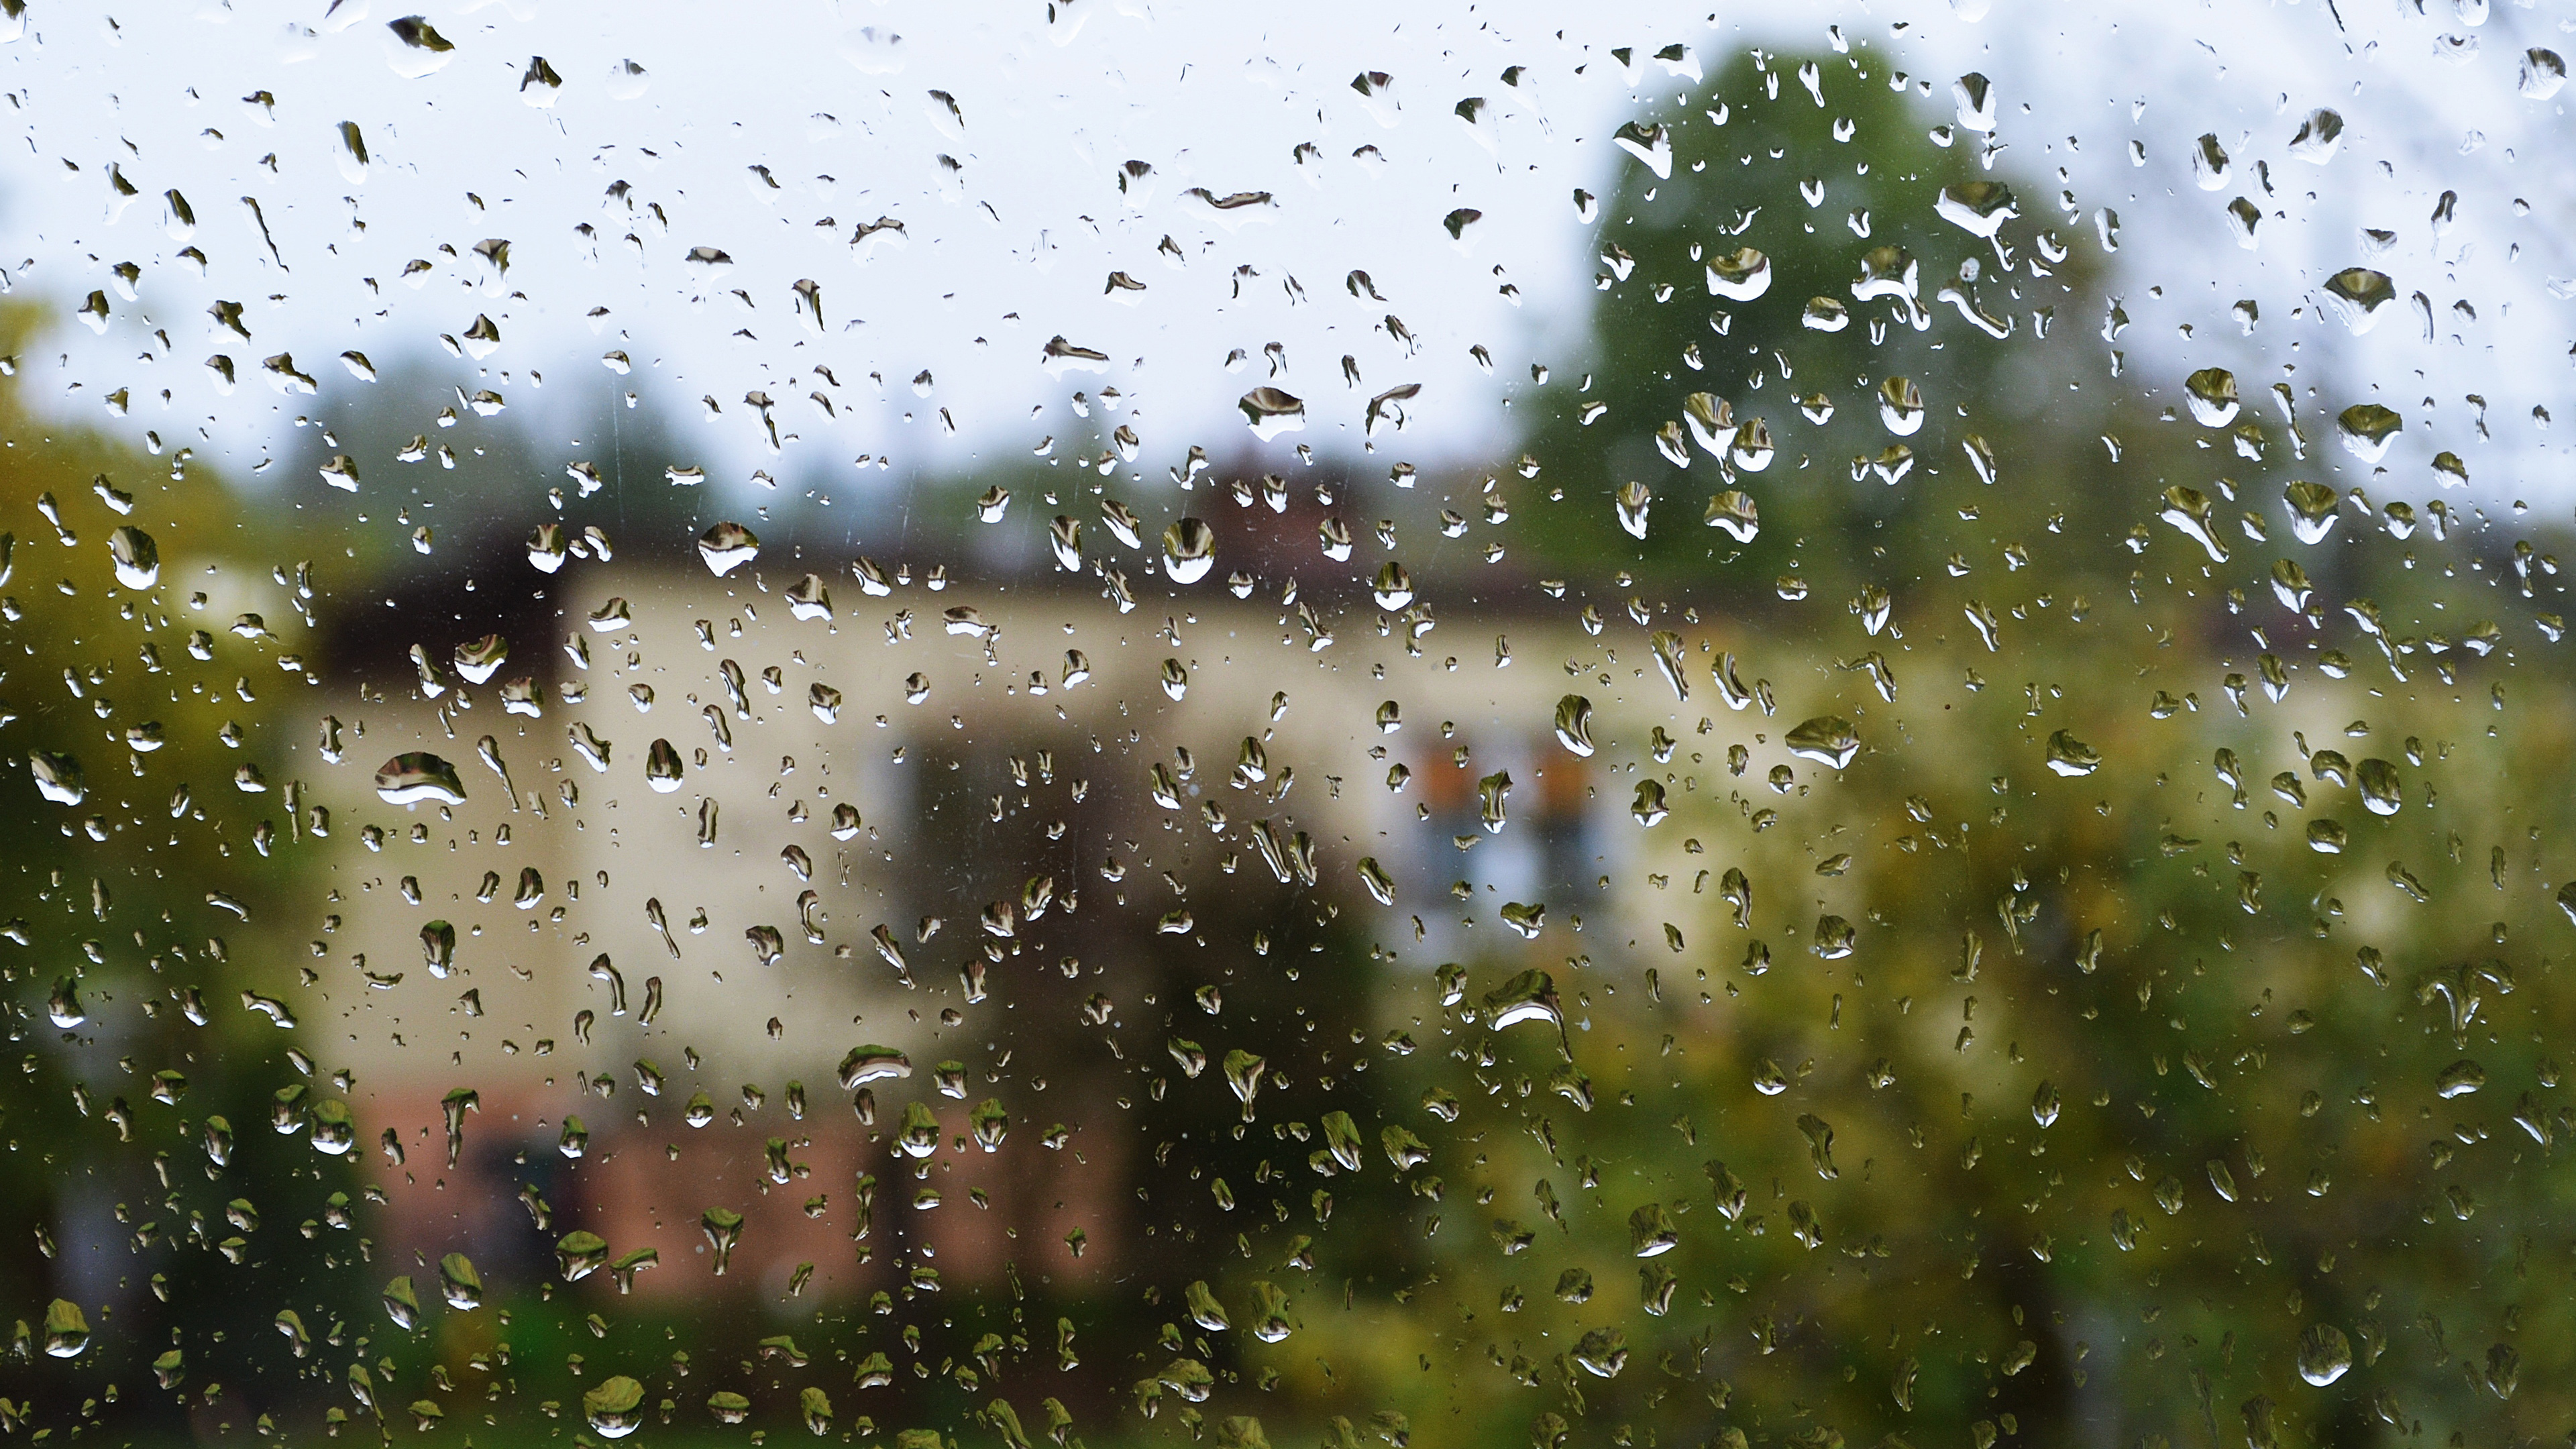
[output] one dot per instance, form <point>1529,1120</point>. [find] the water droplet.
<point>402,1302</point>
<point>2378,783</point>
<point>2068,755</point>
<point>2459,1079</point>
<point>2318,137</point>
<point>2356,295</point>
<point>1651,144</point>
<point>1189,550</point>
<point>415,776</point>
<point>1394,586</point>
<point>2325,1355</point>
<point>478,660</point>
<point>579,1254</point>
<point>2543,72</point>
<point>63,1006</point>
<point>2312,510</point>
<point>1529,996</point>
<point>728,546</point>
<point>2211,393</point>
<point>1900,406</point>
<point>1751,449</point>
<point>2209,163</point>
<point>1979,208</point>
<point>616,1407</point>
<point>2367,430</point>
<point>66,1329</point>
<point>1740,275</point>
<point>58,777</point>
<point>1734,510</point>
<point>723,1228</point>
<point>1204,1310</point>
<point>137,557</point>
<point>2189,509</point>
<point>1632,500</point>
<point>438,948</point>
<point>1271,412</point>
<point>1574,723</point>
<point>457,1280</point>
<point>866,1064</point>
<point>1827,739</point>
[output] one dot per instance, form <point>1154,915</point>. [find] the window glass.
<point>1120,723</point>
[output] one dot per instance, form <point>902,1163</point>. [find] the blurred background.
<point>1671,730</point>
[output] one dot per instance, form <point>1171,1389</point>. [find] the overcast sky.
<point>771,133</point>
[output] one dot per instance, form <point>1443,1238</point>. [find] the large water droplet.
<point>1529,996</point>
<point>579,1254</point>
<point>457,1279</point>
<point>2068,755</point>
<point>1632,500</point>
<point>1574,723</point>
<point>616,1407</point>
<point>1394,586</point>
<point>58,776</point>
<point>478,660</point>
<point>417,775</point>
<point>1828,739</point>
<point>662,767</point>
<point>723,1228</point>
<point>2325,1355</point>
<point>2367,430</point>
<point>866,1064</point>
<point>728,546</point>
<point>2380,790</point>
<point>2211,393</point>
<point>1900,406</point>
<point>2356,294</point>
<point>1734,510</point>
<point>1189,550</point>
<point>66,1329</point>
<point>1740,275</point>
<point>1978,207</point>
<point>2312,510</point>
<point>138,558</point>
<point>1271,412</point>
<point>438,947</point>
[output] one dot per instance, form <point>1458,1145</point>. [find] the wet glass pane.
<point>1115,723</point>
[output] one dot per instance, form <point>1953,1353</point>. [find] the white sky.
<point>1011,244</point>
